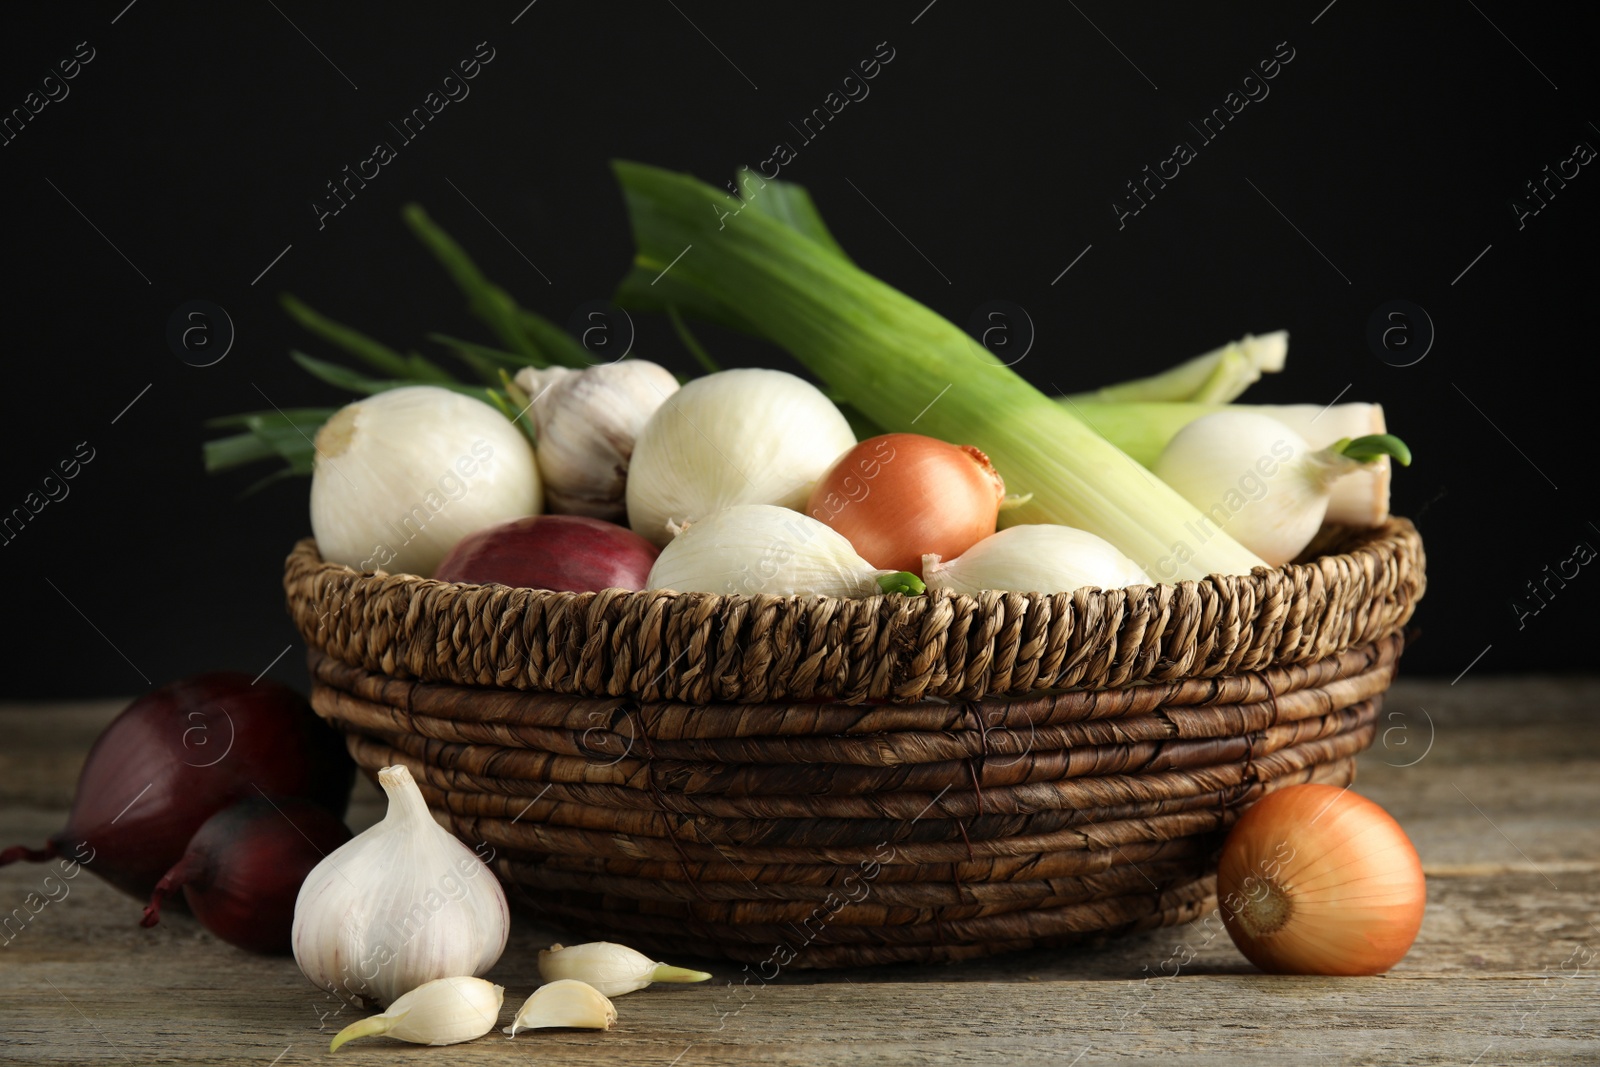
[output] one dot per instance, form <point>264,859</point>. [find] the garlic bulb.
<point>748,436</point>
<point>566,1003</point>
<point>444,1011</point>
<point>1035,559</point>
<point>400,904</point>
<point>587,421</point>
<point>401,476</point>
<point>610,968</point>
<point>760,548</point>
<point>1254,477</point>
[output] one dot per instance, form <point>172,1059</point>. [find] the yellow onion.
<point>900,496</point>
<point>1319,880</point>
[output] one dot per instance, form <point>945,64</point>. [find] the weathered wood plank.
<point>1501,808</point>
<point>207,1015</point>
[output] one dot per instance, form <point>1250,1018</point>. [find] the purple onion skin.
<point>242,871</point>
<point>565,553</point>
<point>180,754</point>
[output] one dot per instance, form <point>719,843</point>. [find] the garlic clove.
<point>566,1003</point>
<point>610,968</point>
<point>444,1011</point>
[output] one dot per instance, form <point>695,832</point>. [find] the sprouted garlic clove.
<point>565,1003</point>
<point>441,1012</point>
<point>611,968</point>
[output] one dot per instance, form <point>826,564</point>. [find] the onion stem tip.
<point>901,582</point>
<point>1375,446</point>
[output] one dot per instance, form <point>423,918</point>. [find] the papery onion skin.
<point>242,870</point>
<point>177,756</point>
<point>750,549</point>
<point>1035,558</point>
<point>900,496</point>
<point>1252,477</point>
<point>744,436</point>
<point>402,475</point>
<point>566,553</point>
<point>1315,879</point>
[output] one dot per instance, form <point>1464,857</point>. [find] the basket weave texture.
<point>820,782</point>
<point>702,647</point>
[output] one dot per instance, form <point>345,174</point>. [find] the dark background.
<point>996,141</point>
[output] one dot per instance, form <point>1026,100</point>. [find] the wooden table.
<point>1497,782</point>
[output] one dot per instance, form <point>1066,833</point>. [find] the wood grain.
<point>1501,807</point>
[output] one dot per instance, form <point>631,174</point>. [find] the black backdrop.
<point>185,155</point>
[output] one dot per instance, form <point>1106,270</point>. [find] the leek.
<point>783,202</point>
<point>1216,377</point>
<point>1143,430</point>
<point>907,368</point>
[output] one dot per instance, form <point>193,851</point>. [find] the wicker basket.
<point>820,782</point>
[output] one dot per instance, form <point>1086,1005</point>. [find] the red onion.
<point>242,870</point>
<point>571,553</point>
<point>180,754</point>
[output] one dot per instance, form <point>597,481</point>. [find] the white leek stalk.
<point>1142,430</point>
<point>760,548</point>
<point>445,1011</point>
<point>1258,480</point>
<point>1041,558</point>
<point>401,476</point>
<point>612,969</point>
<point>1216,377</point>
<point>747,436</point>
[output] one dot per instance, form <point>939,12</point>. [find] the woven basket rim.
<point>704,647</point>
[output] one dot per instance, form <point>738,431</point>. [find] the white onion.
<point>1038,558</point>
<point>401,476</point>
<point>1258,480</point>
<point>748,436</point>
<point>758,548</point>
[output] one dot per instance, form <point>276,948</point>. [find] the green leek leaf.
<point>554,343</point>
<point>484,299</point>
<point>345,378</point>
<point>374,354</point>
<point>789,204</point>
